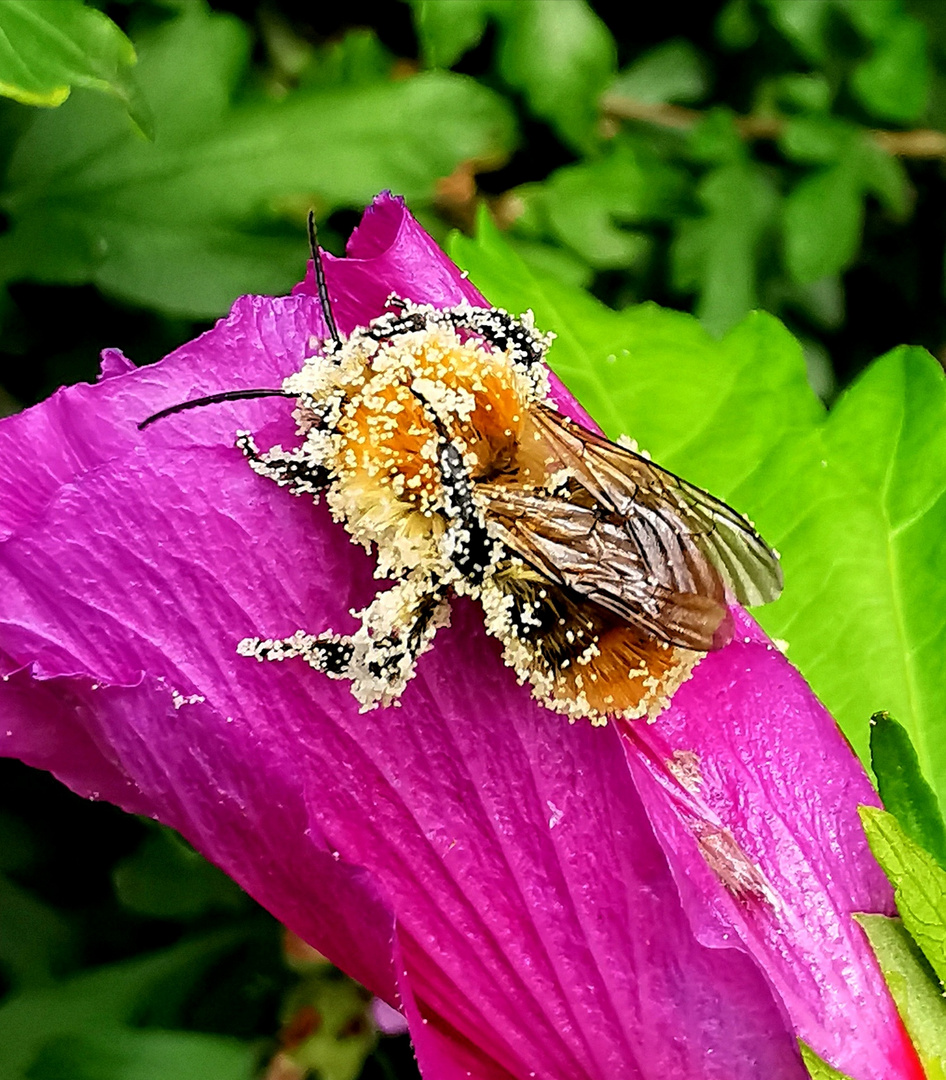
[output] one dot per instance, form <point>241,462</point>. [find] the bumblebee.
<point>431,435</point>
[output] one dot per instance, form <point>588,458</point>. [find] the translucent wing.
<point>634,538</point>
<point>572,545</point>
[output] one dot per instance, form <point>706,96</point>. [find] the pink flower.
<point>541,899</point>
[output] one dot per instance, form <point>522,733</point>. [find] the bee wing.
<point>628,484</point>
<point>676,595</point>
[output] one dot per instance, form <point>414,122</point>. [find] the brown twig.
<point>922,143</point>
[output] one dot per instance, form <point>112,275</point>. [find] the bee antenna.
<point>320,280</point>
<point>213,399</point>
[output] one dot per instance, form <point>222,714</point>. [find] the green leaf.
<point>716,140</point>
<point>102,998</point>
<point>552,260</point>
<point>123,1054</point>
<point>885,177</point>
<point>803,23</point>
<point>167,879</point>
<point>874,20</point>
<point>903,788</point>
<point>854,499</point>
<point>919,884</point>
<point>818,1068</point>
<point>805,93</point>
<point>583,205</point>
<point>46,49</point>
<point>817,139</point>
<point>357,59</point>
<point>447,31</point>
<point>710,407</point>
<point>673,71</point>
<point>717,255</point>
<point>860,167</point>
<point>822,223</point>
<point>736,26</point>
<point>893,83</point>
<point>858,512</point>
<point>35,940</point>
<point>562,57</point>
<point>216,206</point>
<point>914,989</point>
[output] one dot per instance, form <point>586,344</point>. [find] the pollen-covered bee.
<point>432,437</point>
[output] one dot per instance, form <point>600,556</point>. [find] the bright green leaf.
<point>855,499</point>
<point>807,93</point>
<point>124,1054</point>
<point>893,83</point>
<point>919,884</point>
<point>903,788</point>
<point>716,140</point>
<point>47,48</point>
<point>673,71</point>
<point>858,512</point>
<point>203,214</point>
<point>447,31</point>
<point>822,223</point>
<point>562,57</point>
<point>818,1069</point>
<point>710,408</point>
<point>914,988</point>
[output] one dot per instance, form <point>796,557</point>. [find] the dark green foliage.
<point>903,788</point>
<point>126,956</point>
<point>737,168</point>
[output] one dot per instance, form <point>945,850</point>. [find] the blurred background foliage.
<point>776,154</point>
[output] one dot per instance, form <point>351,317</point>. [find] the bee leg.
<point>397,628</point>
<point>466,542</point>
<point>293,469</point>
<point>379,658</point>
<point>500,329</point>
<point>398,320</point>
<point>327,652</point>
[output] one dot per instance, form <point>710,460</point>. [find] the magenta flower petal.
<point>536,916</point>
<point>530,892</point>
<point>751,785</point>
